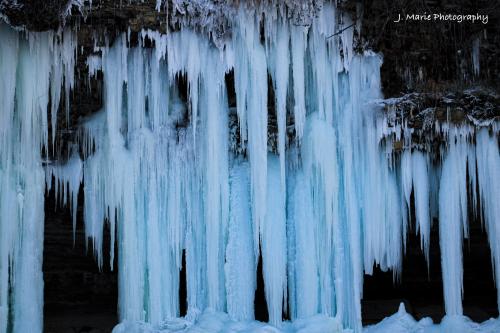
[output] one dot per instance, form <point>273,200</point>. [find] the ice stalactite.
<point>210,228</point>
<point>281,72</point>
<point>298,49</point>
<point>240,264</point>
<point>250,69</point>
<point>476,44</point>
<point>216,177</point>
<point>69,178</point>
<point>273,244</point>
<point>330,207</point>
<point>179,188</point>
<point>156,165</point>
<point>273,237</point>
<point>320,166</point>
<point>414,177</point>
<point>453,222</point>
<point>420,178</point>
<point>27,66</point>
<point>488,159</point>
<point>462,188</point>
<point>303,278</point>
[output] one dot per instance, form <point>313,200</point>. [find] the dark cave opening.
<point>480,293</point>
<point>183,305</point>
<point>420,286</point>
<point>77,296</point>
<point>260,304</point>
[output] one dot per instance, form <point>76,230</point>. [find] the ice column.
<point>453,221</point>
<point>27,65</point>
<point>250,70</point>
<point>274,256</point>
<point>240,261</point>
<point>488,169</point>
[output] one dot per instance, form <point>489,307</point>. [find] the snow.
<point>402,322</point>
<point>218,322</point>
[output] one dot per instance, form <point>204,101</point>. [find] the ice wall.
<point>31,70</point>
<point>331,203</point>
<point>323,211</point>
<point>171,186</point>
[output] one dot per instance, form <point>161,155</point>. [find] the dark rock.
<point>420,113</point>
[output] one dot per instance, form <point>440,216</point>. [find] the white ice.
<point>321,210</point>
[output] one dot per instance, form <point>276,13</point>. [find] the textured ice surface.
<point>402,322</point>
<point>217,322</point>
<point>321,214</point>
<point>31,70</point>
<point>156,165</point>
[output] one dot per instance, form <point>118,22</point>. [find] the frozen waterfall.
<point>325,207</point>
<point>31,71</point>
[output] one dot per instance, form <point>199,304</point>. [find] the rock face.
<point>78,297</point>
<point>423,118</point>
<point>35,15</point>
<point>418,55</point>
<point>431,55</point>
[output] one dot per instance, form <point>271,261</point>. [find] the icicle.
<point>323,63</point>
<point>453,222</point>
<point>488,166</point>
<point>306,268</point>
<point>55,92</point>
<point>320,165</point>
<point>274,244</point>
<point>281,82</point>
<point>156,166</point>
<point>347,37</point>
<point>216,178</point>
<point>406,175</point>
<point>9,226</point>
<point>476,55</point>
<point>30,70</point>
<point>298,48</point>
<point>68,177</point>
<point>251,94</point>
<point>421,193</point>
<point>240,262</point>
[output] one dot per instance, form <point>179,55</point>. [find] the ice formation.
<point>329,206</point>
<point>476,44</point>
<point>31,68</point>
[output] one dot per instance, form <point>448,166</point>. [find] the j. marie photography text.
<point>459,18</point>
